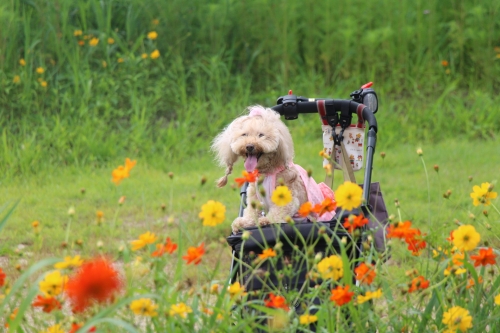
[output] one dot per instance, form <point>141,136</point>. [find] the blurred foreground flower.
<point>155,54</point>
<point>457,318</point>
<point>152,35</point>
<point>236,289</point>
<point>194,254</point>
<point>483,194</point>
<point>96,281</point>
<point>466,238</point>
<point>349,196</point>
<point>418,283</point>
<point>485,257</point>
<point>2,277</point>
<point>144,239</point>
<point>180,309</point>
<point>123,172</point>
<point>249,177</point>
<point>331,268</point>
<point>354,222</point>
<point>54,329</point>
<point>144,307</point>
<point>341,295</point>
<point>308,319</point>
<point>212,213</point>
<point>267,253</point>
<point>281,196</point>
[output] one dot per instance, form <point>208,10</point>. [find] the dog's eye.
<point>261,135</point>
<point>244,134</point>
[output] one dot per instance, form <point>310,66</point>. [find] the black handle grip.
<point>294,106</point>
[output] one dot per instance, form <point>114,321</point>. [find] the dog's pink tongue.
<point>250,163</point>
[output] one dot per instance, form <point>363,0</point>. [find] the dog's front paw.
<point>240,223</point>
<point>263,221</point>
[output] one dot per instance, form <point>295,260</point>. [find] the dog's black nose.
<point>250,148</point>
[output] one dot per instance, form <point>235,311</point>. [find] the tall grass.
<point>218,57</point>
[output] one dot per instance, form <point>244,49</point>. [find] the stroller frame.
<point>338,112</point>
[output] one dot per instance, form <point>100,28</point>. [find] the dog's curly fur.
<point>261,133</point>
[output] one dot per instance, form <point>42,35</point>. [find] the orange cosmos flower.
<point>276,302</point>
<point>450,239</point>
<point>418,283</point>
<point>341,295</point>
<point>46,303</point>
<point>267,253</point>
<point>169,247</point>
<point>484,257</point>
<point>95,281</point>
<point>2,277</point>
<point>364,273</point>
<point>472,283</point>
<point>401,230</point>
<point>194,254</point>
<point>444,63</point>
<point>327,205</point>
<point>305,209</point>
<point>416,243</point>
<point>249,177</point>
<point>353,222</point>
<point>75,327</point>
<point>123,172</point>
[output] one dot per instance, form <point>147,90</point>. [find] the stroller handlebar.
<point>290,106</point>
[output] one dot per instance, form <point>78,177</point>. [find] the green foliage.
<point>219,57</point>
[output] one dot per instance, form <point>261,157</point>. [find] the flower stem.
<point>67,233</point>
<point>428,187</point>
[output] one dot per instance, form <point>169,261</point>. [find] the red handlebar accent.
<point>367,85</point>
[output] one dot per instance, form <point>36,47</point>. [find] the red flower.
<point>161,249</point>
<point>194,254</point>
<point>95,281</point>
<point>276,302</point>
<point>353,222</point>
<point>484,257</point>
<point>418,283</point>
<point>364,273</point>
<point>341,295</point>
<point>2,278</point>
<point>46,303</point>
<point>249,177</point>
<point>75,327</point>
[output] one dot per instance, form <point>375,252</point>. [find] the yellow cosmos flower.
<point>369,295</point>
<point>16,79</point>
<point>76,261</point>
<point>155,54</point>
<point>281,196</point>
<point>43,84</point>
<point>212,213</point>
<point>54,329</point>
<point>331,268</point>
<point>53,284</point>
<point>22,62</point>
<point>94,41</point>
<point>308,319</point>
<point>497,299</point>
<point>104,64</point>
<point>466,237</point>
<point>236,289</point>
<point>40,70</point>
<point>111,41</point>
<point>457,270</point>
<point>120,60</point>
<point>144,239</point>
<point>77,33</point>
<point>483,194</point>
<point>349,196</point>
<point>180,310</point>
<point>152,35</point>
<point>457,318</point>
<point>144,307</point>
<point>144,56</point>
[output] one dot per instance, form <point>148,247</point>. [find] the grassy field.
<point>86,83</point>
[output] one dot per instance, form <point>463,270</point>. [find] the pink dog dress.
<point>316,193</point>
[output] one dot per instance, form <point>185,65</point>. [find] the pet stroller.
<point>306,239</point>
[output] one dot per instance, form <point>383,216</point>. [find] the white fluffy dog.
<point>265,143</point>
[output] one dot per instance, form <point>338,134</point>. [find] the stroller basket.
<point>299,244</point>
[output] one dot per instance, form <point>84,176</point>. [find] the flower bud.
<point>470,179</point>
<point>309,172</point>
<point>396,203</point>
<point>420,152</point>
<point>100,244</point>
<point>382,154</point>
<point>491,187</point>
<point>245,235</point>
<point>163,207</point>
<point>318,257</point>
<point>71,211</point>
<point>171,175</point>
<point>82,190</point>
<point>436,167</point>
<point>121,200</point>
<point>485,213</point>
<point>203,180</point>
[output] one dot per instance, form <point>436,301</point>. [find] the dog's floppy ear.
<point>224,155</point>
